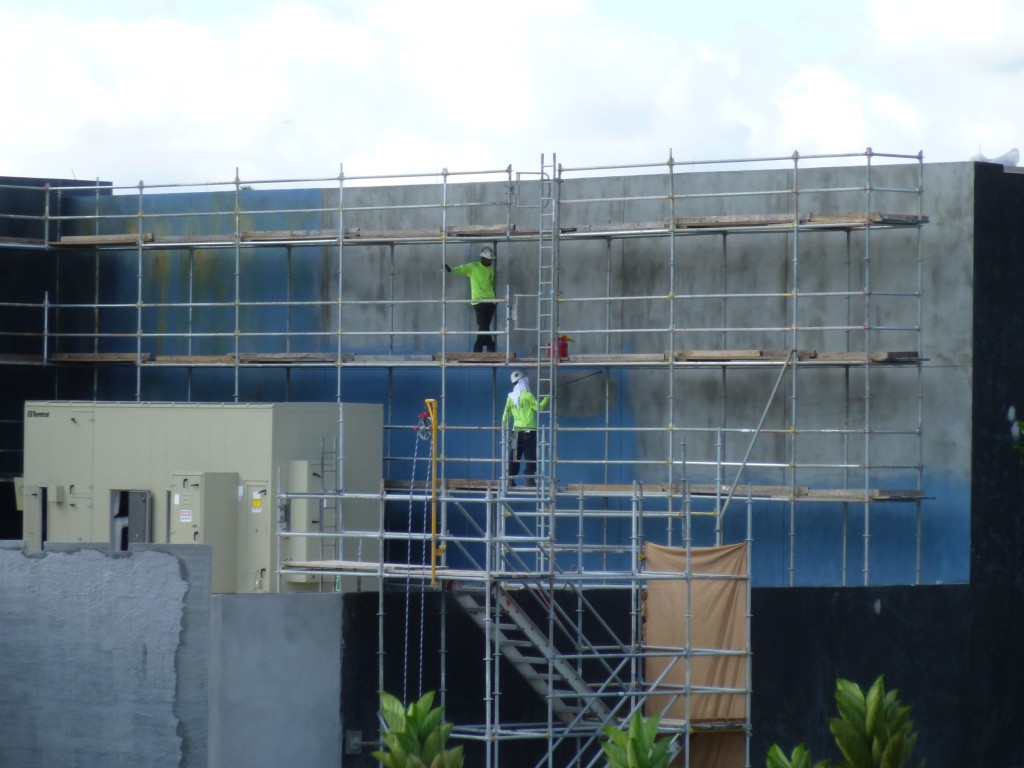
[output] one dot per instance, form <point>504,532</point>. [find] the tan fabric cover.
<point>716,750</point>
<point>719,618</point>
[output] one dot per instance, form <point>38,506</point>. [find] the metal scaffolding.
<point>712,337</point>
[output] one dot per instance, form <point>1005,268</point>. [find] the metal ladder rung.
<point>507,627</point>
<point>564,693</point>
<point>543,676</point>
<point>521,644</point>
<point>536,661</point>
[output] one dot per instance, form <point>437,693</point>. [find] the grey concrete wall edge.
<point>192,657</point>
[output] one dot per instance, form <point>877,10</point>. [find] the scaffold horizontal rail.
<point>401,489</point>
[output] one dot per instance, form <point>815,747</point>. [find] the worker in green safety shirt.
<point>481,296</point>
<point>521,408</point>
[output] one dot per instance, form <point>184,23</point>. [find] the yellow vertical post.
<point>435,550</point>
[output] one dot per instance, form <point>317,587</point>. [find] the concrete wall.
<point>124,660</point>
<point>275,680</point>
<point>104,657</point>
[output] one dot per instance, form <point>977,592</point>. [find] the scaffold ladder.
<point>327,516</point>
<point>547,320</point>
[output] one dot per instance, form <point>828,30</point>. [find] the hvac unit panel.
<point>204,510</point>
<point>33,521</point>
<point>59,457</point>
<point>255,530</point>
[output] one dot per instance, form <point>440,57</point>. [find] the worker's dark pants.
<point>484,315</point>
<point>523,448</point>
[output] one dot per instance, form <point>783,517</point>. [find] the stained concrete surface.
<point>103,657</point>
<point>275,680</point>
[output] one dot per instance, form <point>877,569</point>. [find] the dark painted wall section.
<point>22,201</point>
<point>918,637</point>
<point>952,651</point>
<point>997,471</point>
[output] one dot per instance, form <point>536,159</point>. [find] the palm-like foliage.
<point>637,746</point>
<point>415,737</point>
<point>801,758</point>
<point>873,730</point>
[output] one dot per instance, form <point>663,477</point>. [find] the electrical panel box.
<point>32,517</point>
<point>204,510</point>
<point>255,529</point>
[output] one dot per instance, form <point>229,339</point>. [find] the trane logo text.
<point>37,414</point>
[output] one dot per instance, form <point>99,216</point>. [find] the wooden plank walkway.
<point>356,235</point>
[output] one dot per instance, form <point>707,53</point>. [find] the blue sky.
<point>180,91</point>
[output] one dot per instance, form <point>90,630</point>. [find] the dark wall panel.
<point>918,637</point>
<point>950,651</point>
<point>997,471</point>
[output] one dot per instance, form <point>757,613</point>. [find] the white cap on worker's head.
<point>486,253</point>
<point>516,376</point>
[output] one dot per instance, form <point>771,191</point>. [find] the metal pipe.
<point>435,550</point>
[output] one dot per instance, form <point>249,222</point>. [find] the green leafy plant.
<point>801,758</point>
<point>873,730</point>
<point>415,736</point>
<point>637,746</point>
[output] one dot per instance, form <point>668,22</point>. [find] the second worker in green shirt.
<point>521,409</point>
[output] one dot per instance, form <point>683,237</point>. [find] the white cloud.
<point>178,91</point>
<point>820,109</point>
<point>941,24</point>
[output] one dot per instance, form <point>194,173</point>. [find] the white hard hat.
<point>486,252</point>
<point>516,376</point>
